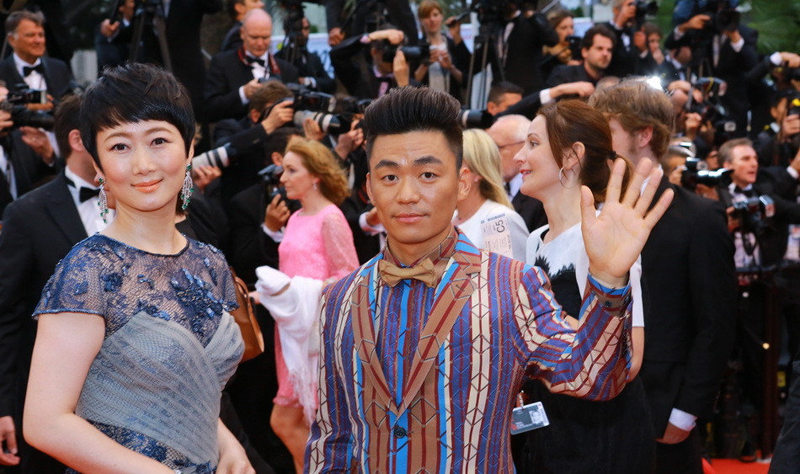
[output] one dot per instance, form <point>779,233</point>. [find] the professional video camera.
<point>754,214</point>
<point>490,12</point>
<point>695,171</point>
<point>724,16</point>
<point>17,103</point>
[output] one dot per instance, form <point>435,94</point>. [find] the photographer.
<point>247,138</point>
<point>233,76</point>
<point>309,65</point>
<point>758,220</point>
<point>721,46</point>
<point>349,18</point>
<point>779,142</point>
<point>26,155</point>
<point>629,43</point>
<point>518,41</point>
<point>387,66</point>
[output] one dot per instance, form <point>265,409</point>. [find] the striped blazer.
<point>488,319</point>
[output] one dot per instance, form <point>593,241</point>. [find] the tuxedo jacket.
<point>39,229</point>
<point>354,22</point>
<point>29,169</point>
<point>566,74</point>
<point>226,73</point>
<point>353,67</point>
<point>56,74</point>
<point>249,246</point>
<point>624,59</point>
<point>689,293</point>
<point>309,64</point>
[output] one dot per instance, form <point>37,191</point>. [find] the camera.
<point>696,172</point>
<point>413,54</point>
<point>755,214</point>
<point>316,106</point>
<point>645,8</point>
<point>476,119</point>
<point>219,157</point>
<point>724,16</point>
<point>575,46</point>
<point>490,12</point>
<point>16,104</point>
<point>271,179</point>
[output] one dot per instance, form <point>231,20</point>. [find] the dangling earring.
<point>561,178</point>
<point>187,188</point>
<point>102,201</point>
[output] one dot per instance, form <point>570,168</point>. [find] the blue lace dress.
<point>170,344</point>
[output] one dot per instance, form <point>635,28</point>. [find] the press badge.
<point>528,417</point>
<point>496,235</point>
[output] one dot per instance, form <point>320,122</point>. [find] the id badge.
<point>497,235</point>
<point>529,417</point>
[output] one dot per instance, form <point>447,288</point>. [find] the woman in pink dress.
<point>318,244</point>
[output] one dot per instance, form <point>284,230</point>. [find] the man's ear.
<point>75,141</point>
<point>491,107</point>
<point>643,137</point>
<point>369,187</point>
<point>277,158</point>
<point>254,115</point>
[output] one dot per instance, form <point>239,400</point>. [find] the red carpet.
<point>734,466</point>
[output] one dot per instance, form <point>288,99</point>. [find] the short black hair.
<point>588,37</point>
<point>414,109</point>
<point>66,119</point>
<point>131,93</point>
<point>503,87</point>
<point>231,7</point>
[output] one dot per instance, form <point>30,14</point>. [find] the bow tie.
<point>84,193</point>
<point>252,59</point>
<point>392,274</point>
<point>749,192</point>
<point>26,70</point>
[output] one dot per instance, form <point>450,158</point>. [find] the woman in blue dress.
<point>134,340</point>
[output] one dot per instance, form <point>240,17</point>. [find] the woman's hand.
<point>615,238</point>
<point>232,457</point>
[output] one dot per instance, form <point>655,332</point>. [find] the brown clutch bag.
<point>245,317</point>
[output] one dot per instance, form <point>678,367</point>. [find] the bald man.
<point>234,75</point>
<point>509,133</point>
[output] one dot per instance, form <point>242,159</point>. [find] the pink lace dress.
<point>320,247</point>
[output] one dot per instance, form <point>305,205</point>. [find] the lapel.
<point>452,293</point>
<point>62,210</point>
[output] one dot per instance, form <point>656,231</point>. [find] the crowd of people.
<point>602,245</point>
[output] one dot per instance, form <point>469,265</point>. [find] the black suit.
<point>233,38</point>
<point>227,72</point>
<point>399,14</point>
<point>39,229</point>
<point>29,169</point>
<point>567,74</point>
<point>355,71</point>
<point>689,292</point>
<point>250,247</point>
<point>523,51</point>
<point>624,59</point>
<point>309,64</point>
<point>57,75</point>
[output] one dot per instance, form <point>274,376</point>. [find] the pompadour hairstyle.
<point>414,109</point>
<point>131,93</point>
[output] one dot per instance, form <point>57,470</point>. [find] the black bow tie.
<point>26,70</point>
<point>84,193</point>
<point>252,59</point>
<point>746,192</point>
